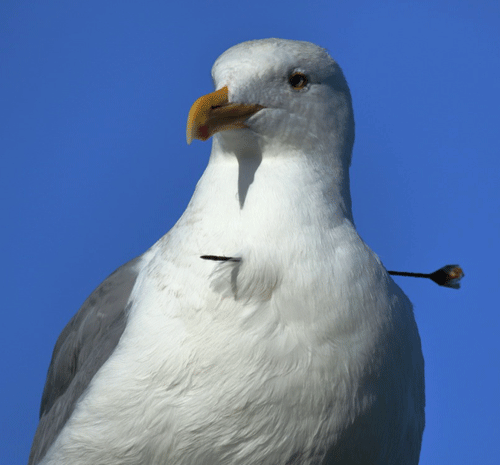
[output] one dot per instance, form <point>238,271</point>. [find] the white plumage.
<point>299,350</point>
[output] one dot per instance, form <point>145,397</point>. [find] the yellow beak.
<point>213,113</point>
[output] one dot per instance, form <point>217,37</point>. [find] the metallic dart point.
<point>447,276</point>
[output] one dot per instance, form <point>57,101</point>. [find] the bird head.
<point>283,95</point>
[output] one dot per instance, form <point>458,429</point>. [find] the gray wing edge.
<point>83,346</point>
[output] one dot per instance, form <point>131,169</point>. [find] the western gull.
<point>260,329</point>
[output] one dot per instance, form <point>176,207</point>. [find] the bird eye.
<point>298,80</point>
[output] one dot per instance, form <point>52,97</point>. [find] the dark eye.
<point>298,80</point>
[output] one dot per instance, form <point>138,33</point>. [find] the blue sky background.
<point>95,168</point>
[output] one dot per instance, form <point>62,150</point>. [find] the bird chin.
<point>243,143</point>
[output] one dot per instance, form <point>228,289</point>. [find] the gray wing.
<point>84,345</point>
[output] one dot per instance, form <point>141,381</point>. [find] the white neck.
<point>267,195</point>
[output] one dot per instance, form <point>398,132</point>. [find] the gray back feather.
<point>81,349</point>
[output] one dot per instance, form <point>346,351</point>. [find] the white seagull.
<point>261,329</point>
